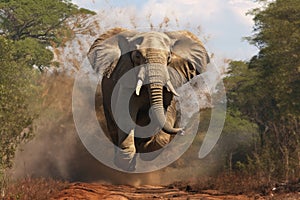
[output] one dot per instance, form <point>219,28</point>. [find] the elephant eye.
<point>137,55</point>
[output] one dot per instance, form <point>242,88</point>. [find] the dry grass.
<point>29,189</point>
<point>229,183</point>
<point>236,183</point>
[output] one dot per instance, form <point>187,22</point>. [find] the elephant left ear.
<point>186,45</point>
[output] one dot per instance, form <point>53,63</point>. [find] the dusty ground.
<point>94,191</point>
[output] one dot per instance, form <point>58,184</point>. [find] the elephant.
<point>159,63</point>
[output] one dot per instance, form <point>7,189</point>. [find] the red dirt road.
<point>95,191</point>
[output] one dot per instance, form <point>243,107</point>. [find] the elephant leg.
<point>125,153</point>
<point>125,156</point>
<point>124,142</point>
<point>111,126</point>
<point>156,143</point>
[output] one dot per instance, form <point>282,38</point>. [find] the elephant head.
<point>156,53</point>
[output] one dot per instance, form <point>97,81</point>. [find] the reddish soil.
<point>96,191</point>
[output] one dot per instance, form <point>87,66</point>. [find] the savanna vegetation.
<point>261,137</point>
<point>266,90</point>
<point>28,30</point>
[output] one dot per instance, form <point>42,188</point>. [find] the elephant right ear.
<point>190,48</point>
<point>106,51</point>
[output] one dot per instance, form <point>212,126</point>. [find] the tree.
<point>38,19</point>
<point>238,139</point>
<point>278,62</point>
<point>278,38</point>
<point>266,89</point>
<point>35,25</point>
<point>17,88</point>
<point>27,29</point>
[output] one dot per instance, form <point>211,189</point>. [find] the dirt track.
<point>90,191</point>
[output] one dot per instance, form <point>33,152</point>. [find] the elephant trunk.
<point>156,98</point>
<point>155,73</point>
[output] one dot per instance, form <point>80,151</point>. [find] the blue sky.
<point>223,23</point>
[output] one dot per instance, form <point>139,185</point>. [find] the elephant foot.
<point>125,160</point>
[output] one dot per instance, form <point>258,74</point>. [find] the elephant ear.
<point>106,50</point>
<point>189,47</point>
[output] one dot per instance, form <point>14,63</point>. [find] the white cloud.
<point>185,10</point>
<point>241,7</point>
<point>224,21</point>
<point>90,4</point>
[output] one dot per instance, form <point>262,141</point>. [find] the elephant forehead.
<point>154,40</point>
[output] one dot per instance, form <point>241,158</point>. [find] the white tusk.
<point>182,133</point>
<point>131,133</point>
<point>138,87</point>
<point>171,88</point>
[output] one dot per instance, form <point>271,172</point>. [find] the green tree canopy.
<point>267,89</point>
<point>27,29</point>
<point>278,37</point>
<point>17,88</point>
<point>38,19</point>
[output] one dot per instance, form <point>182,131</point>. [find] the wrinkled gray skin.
<point>168,60</point>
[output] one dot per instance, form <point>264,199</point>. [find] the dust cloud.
<point>56,150</point>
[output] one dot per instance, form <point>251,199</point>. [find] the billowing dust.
<point>56,150</point>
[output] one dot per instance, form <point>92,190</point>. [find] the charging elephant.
<point>140,109</point>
